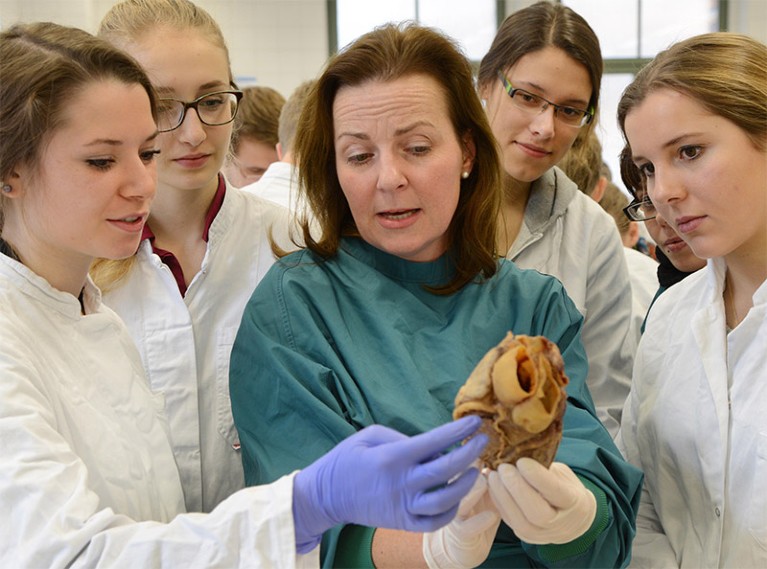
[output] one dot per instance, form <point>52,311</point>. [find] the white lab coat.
<point>87,474</point>
<point>279,184</point>
<point>696,423</point>
<point>185,342</point>
<point>568,235</point>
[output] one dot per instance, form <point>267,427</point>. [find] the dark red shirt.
<point>169,258</point>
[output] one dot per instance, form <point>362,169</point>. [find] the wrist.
<point>309,519</point>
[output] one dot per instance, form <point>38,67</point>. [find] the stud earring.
<point>7,189</point>
<point>464,174</point>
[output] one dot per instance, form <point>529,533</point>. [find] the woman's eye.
<point>569,111</point>
<point>100,163</point>
<point>149,155</point>
<point>358,158</point>
<point>420,149</point>
<point>647,170</point>
<point>689,152</point>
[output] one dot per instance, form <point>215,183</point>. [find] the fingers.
<point>438,470</point>
<point>427,502</point>
<point>504,501</point>
<point>556,484</point>
<point>436,441</point>
<point>375,435</point>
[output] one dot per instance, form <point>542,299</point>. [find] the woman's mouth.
<point>688,224</point>
<point>674,245</point>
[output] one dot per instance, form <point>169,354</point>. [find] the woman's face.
<point>399,163</point>
<point>90,195</point>
<point>534,142</point>
<point>184,65</point>
<point>704,174</point>
<point>673,246</point>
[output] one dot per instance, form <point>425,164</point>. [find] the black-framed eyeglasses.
<point>640,210</point>
<point>534,104</point>
<point>213,109</point>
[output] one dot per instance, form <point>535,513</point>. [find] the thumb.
<point>473,497</point>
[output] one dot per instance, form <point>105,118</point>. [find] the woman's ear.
<point>469,152</point>
<point>12,186</point>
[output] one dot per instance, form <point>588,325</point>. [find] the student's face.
<point>673,246</point>
<point>534,142</point>
<point>399,163</point>
<point>704,175</point>
<point>90,195</point>
<point>183,65</point>
<point>251,161</point>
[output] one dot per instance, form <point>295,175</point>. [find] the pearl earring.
<point>7,188</point>
<point>464,175</point>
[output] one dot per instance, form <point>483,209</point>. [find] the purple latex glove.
<point>379,477</point>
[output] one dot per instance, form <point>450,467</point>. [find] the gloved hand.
<point>466,541</point>
<point>381,478</point>
<point>542,505</point>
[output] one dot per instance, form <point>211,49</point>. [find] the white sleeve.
<point>53,516</point>
<point>651,548</point>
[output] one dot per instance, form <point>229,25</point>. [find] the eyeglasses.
<point>640,210</point>
<point>531,103</point>
<point>213,109</point>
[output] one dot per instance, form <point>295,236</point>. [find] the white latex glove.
<point>466,541</point>
<point>542,505</point>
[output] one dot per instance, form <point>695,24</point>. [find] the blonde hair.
<point>130,20</point>
<point>724,72</point>
<point>126,23</point>
<point>583,162</point>
<point>291,112</point>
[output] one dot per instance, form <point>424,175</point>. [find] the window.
<point>472,24</point>
<point>631,32</point>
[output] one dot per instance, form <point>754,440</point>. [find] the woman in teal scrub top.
<point>382,319</point>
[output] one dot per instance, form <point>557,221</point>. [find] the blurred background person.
<point>643,269</point>
<point>278,184</point>
<point>676,261</point>
<point>255,136</point>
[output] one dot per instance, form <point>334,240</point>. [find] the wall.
<point>278,43</point>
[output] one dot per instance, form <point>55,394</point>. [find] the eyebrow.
<point>566,102</point>
<point>398,132</point>
<point>673,142</point>
<point>166,91</point>
<point>114,142</point>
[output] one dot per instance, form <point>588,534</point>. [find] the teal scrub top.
<point>328,347</point>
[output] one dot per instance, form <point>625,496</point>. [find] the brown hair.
<point>42,67</point>
<point>258,116</point>
<point>724,72</point>
<point>536,27</point>
<point>385,54</point>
